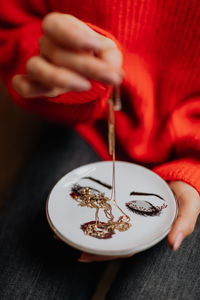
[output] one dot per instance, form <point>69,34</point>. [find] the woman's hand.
<point>70,54</point>
<point>189,209</point>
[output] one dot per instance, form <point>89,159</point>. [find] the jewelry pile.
<point>86,197</point>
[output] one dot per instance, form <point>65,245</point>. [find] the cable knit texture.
<point>159,125</point>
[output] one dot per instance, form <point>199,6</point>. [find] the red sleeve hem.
<point>187,170</point>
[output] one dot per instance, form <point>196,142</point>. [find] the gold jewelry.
<point>84,197</point>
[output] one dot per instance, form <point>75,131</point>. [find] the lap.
<point>33,265</point>
<point>161,274</point>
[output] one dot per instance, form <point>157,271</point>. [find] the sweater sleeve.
<point>20,30</point>
<point>185,125</point>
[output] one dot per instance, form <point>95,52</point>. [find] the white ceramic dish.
<point>65,216</point>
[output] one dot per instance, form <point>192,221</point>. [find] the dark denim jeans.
<point>33,265</point>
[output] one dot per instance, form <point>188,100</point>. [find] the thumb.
<point>189,208</point>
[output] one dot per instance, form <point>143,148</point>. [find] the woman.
<point>152,50</point>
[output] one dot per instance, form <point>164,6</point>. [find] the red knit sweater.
<point>159,125</point>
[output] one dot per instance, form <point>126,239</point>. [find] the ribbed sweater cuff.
<point>98,91</point>
<point>187,170</point>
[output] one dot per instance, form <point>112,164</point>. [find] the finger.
<point>189,209</point>
<point>84,63</point>
<point>52,76</point>
<point>28,88</point>
<point>111,54</point>
<point>70,32</point>
<point>87,257</point>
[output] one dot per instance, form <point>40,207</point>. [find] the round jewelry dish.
<point>140,193</point>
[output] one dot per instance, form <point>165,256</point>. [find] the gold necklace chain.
<point>99,201</point>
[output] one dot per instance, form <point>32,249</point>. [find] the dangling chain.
<point>86,198</point>
<point>111,143</point>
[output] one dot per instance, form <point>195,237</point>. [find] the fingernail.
<point>112,78</point>
<point>84,258</point>
<point>178,241</point>
<point>117,78</point>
